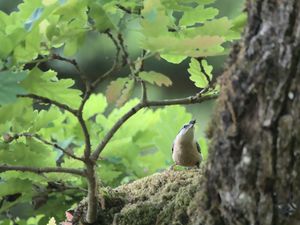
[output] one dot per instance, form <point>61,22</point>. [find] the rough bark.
<point>252,175</point>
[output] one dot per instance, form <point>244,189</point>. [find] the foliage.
<point>42,31</point>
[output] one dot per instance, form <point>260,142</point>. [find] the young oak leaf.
<point>197,76</point>
<point>198,15</point>
<point>114,89</point>
<point>155,78</point>
<point>95,104</point>
<point>47,85</point>
<point>10,86</point>
<point>126,93</point>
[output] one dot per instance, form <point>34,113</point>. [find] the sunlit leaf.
<point>176,59</point>
<point>100,16</point>
<point>47,85</point>
<point>114,89</point>
<point>95,104</point>
<point>155,78</point>
<point>126,93</point>
<point>6,45</point>
<point>197,76</point>
<point>10,86</point>
<point>198,15</point>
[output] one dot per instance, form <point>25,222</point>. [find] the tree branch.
<point>4,168</point>
<point>144,97</point>
<point>49,101</point>
<point>38,137</point>
<point>181,101</point>
<point>71,61</point>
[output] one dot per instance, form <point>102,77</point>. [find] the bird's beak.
<point>192,122</point>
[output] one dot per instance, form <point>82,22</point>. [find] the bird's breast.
<point>186,154</point>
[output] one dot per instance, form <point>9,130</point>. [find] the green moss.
<point>167,198</point>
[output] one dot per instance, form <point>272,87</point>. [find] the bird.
<point>185,150</point>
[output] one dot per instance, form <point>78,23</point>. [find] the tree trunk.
<point>254,162</point>
<point>252,175</point>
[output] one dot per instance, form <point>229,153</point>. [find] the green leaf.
<point>197,76</point>
<point>45,119</point>
<point>198,15</point>
<point>72,45</point>
<point>101,17</point>
<point>220,27</point>
<point>96,104</point>
<point>16,110</point>
<point>126,93</point>
<point>176,59</point>
<point>10,86</point>
<point>6,45</point>
<point>13,186</point>
<point>155,78</point>
<point>198,46</point>
<point>114,89</point>
<point>47,85</point>
<point>239,22</point>
<point>31,153</point>
<point>155,21</point>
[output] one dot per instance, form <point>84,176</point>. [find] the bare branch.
<point>71,61</point>
<point>55,145</point>
<point>86,134</point>
<point>114,129</point>
<point>181,101</point>
<point>124,9</point>
<point>4,168</point>
<point>115,66</point>
<point>129,11</point>
<point>49,101</point>
<point>144,97</point>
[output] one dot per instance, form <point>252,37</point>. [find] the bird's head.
<point>187,131</point>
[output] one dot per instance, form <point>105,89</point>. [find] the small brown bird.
<point>185,150</point>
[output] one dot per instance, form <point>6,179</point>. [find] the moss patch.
<point>170,197</point>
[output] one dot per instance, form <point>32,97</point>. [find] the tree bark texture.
<point>254,166</point>
<point>252,174</point>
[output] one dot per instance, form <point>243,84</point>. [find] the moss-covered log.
<point>170,197</point>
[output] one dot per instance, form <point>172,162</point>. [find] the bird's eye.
<point>185,126</point>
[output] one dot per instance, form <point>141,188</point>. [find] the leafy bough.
<point>54,24</point>
<point>90,155</point>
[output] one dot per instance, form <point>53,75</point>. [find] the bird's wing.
<point>198,147</point>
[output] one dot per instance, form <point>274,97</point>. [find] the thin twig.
<point>4,168</point>
<point>126,58</point>
<point>49,101</point>
<point>140,105</point>
<point>55,145</point>
<point>71,61</point>
<point>124,9</point>
<point>144,97</point>
<point>129,11</point>
<point>115,66</point>
<point>86,134</point>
